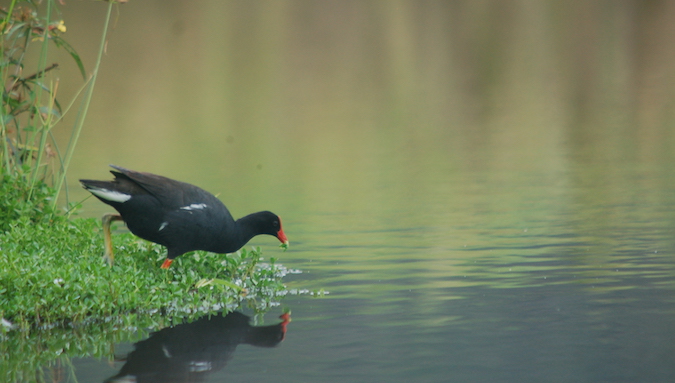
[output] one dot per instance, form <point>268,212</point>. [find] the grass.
<point>19,198</point>
<point>53,275</point>
<point>59,299</point>
<point>30,110</point>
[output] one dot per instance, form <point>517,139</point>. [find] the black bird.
<point>177,215</point>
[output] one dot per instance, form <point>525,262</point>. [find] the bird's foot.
<point>109,258</point>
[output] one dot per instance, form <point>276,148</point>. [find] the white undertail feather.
<point>110,195</point>
<point>163,225</point>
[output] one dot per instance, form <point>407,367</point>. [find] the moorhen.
<point>177,215</point>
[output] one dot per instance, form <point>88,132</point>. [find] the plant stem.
<point>9,13</point>
<point>47,126</point>
<point>42,64</point>
<point>82,113</point>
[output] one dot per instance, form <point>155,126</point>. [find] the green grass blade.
<point>83,111</point>
<point>61,43</point>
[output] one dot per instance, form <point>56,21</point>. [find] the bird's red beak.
<point>282,237</point>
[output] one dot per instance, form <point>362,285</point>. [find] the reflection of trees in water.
<point>190,352</point>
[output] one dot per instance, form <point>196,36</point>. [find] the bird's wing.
<point>170,193</point>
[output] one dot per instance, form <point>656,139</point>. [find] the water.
<point>484,189</point>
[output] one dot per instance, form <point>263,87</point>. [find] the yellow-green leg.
<point>107,240</point>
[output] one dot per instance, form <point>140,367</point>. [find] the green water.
<point>485,189</point>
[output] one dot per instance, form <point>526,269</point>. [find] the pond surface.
<point>485,190</point>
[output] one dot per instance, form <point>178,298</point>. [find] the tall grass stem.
<point>30,136</point>
<point>82,113</point>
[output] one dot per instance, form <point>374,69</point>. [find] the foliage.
<point>18,199</point>
<point>59,298</point>
<point>30,109</point>
<point>54,275</point>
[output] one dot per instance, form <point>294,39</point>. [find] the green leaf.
<point>223,282</point>
<point>217,281</point>
<point>63,43</point>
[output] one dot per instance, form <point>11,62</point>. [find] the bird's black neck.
<point>246,228</point>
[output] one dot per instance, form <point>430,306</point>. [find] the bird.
<point>180,216</point>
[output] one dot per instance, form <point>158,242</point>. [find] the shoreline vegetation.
<point>53,275</point>
<point>58,297</point>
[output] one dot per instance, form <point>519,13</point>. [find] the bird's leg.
<point>107,240</point>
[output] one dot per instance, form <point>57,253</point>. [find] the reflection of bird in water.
<point>190,352</point>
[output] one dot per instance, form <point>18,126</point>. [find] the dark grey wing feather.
<point>170,193</point>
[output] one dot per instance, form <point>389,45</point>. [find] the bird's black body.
<point>178,215</point>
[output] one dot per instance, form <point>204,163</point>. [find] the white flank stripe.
<point>194,206</point>
<point>111,195</point>
<point>163,225</point>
